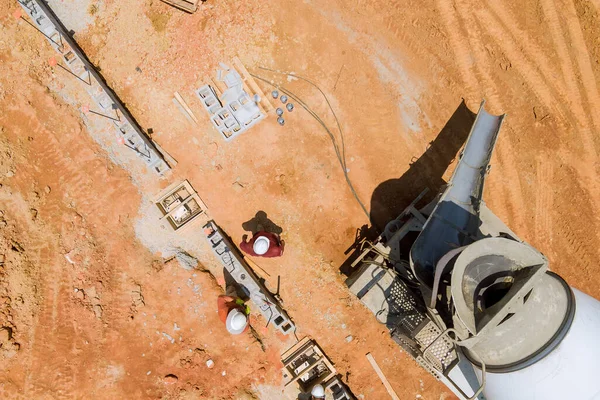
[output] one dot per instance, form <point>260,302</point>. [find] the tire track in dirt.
<point>544,204</point>
<point>52,375</point>
<point>72,180</point>
<point>50,370</point>
<point>53,334</point>
<point>36,248</point>
<point>573,234</point>
<point>482,75</point>
<point>49,154</point>
<point>587,177</point>
<point>526,45</point>
<point>569,75</point>
<point>535,82</point>
<point>54,329</point>
<point>578,247</point>
<point>420,49</point>
<point>69,176</point>
<point>461,47</point>
<point>581,54</point>
<point>585,122</point>
<point>545,228</point>
<point>64,155</point>
<point>65,340</point>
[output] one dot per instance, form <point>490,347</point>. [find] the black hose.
<point>340,157</point>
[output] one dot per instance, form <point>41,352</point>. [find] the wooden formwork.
<point>304,359</point>
<point>178,199</point>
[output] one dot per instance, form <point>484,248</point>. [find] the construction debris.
<point>189,6</point>
<point>170,379</point>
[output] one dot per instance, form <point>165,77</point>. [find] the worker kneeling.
<point>236,322</point>
<point>234,313</point>
<point>318,392</point>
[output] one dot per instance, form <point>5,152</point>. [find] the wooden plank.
<point>187,109</point>
<point>261,104</point>
<point>250,86</point>
<point>172,162</point>
<point>386,383</point>
<point>185,114</point>
<point>189,6</point>
<point>252,83</point>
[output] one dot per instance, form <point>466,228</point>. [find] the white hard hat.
<point>261,245</point>
<point>318,391</point>
<point>236,322</point>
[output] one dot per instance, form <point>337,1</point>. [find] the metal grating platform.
<point>403,307</point>
<point>439,350</point>
<point>397,306</point>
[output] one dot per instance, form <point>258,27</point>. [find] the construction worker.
<point>234,314</point>
<point>263,244</point>
<point>317,392</point>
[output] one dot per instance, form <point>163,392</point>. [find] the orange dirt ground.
<point>91,303</point>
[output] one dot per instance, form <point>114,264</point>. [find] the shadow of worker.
<point>391,197</point>
<point>261,222</point>
<point>233,288</point>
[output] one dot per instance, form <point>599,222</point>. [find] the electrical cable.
<point>326,99</point>
<point>340,157</point>
<point>309,110</point>
<point>343,155</point>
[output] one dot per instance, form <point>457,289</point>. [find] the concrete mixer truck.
<point>471,302</point>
